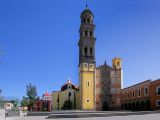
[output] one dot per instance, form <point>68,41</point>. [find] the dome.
<point>87,11</point>
<point>69,85</point>
<point>47,94</point>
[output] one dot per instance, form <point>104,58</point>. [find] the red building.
<point>141,96</point>
<point>44,104</point>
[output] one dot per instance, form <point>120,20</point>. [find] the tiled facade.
<point>142,96</point>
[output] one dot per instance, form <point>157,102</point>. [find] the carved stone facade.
<point>108,85</point>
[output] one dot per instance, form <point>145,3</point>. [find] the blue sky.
<point>39,40</point>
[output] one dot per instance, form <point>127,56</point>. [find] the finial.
<point>105,62</point>
<point>68,80</point>
<point>86,5</point>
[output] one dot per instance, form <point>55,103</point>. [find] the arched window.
<point>118,63</point>
<point>86,33</point>
<point>88,83</point>
<point>91,33</point>
<point>84,20</point>
<point>88,20</point>
<point>69,94</point>
<point>91,51</point>
<point>85,51</point>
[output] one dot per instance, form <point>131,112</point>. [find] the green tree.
<point>24,102</point>
<point>15,102</point>
<point>67,105</point>
<point>31,93</point>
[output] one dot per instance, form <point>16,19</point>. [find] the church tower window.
<point>86,33</point>
<point>84,20</point>
<point>88,20</point>
<point>91,33</point>
<point>85,51</point>
<point>88,83</point>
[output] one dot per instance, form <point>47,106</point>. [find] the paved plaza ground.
<point>131,117</point>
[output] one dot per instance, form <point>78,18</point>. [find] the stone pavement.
<point>132,117</point>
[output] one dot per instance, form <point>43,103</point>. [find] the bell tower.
<point>87,60</point>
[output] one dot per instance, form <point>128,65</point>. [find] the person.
<point>6,113</point>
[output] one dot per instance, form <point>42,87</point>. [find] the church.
<point>99,87</point>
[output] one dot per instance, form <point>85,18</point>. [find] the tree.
<point>24,102</point>
<point>67,105</point>
<point>15,102</point>
<point>31,91</point>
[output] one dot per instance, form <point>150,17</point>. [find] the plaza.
<point>132,117</point>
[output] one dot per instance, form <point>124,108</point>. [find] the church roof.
<point>87,11</point>
<point>46,94</point>
<point>64,87</point>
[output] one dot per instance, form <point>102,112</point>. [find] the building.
<point>116,83</point>
<point>87,63</point>
<point>37,106</point>
<point>141,96</point>
<point>108,85</point>
<point>8,106</point>
<point>99,86</point>
<point>8,102</point>
<point>103,87</point>
<point>68,93</point>
<point>47,101</point>
<point>44,104</point>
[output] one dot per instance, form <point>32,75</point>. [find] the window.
<point>84,20</point>
<point>87,100</point>
<point>139,92</point>
<point>113,80</point>
<point>158,90</point>
<point>128,95</point>
<point>69,94</point>
<point>123,96</point>
<point>158,103</point>
<point>145,91</point>
<point>91,33</point>
<point>88,83</point>
<point>90,65</point>
<point>118,90</point>
<point>113,90</point>
<point>118,63</point>
<point>86,33</point>
<point>85,50</point>
<point>85,64</point>
<point>88,20</point>
<point>133,94</point>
